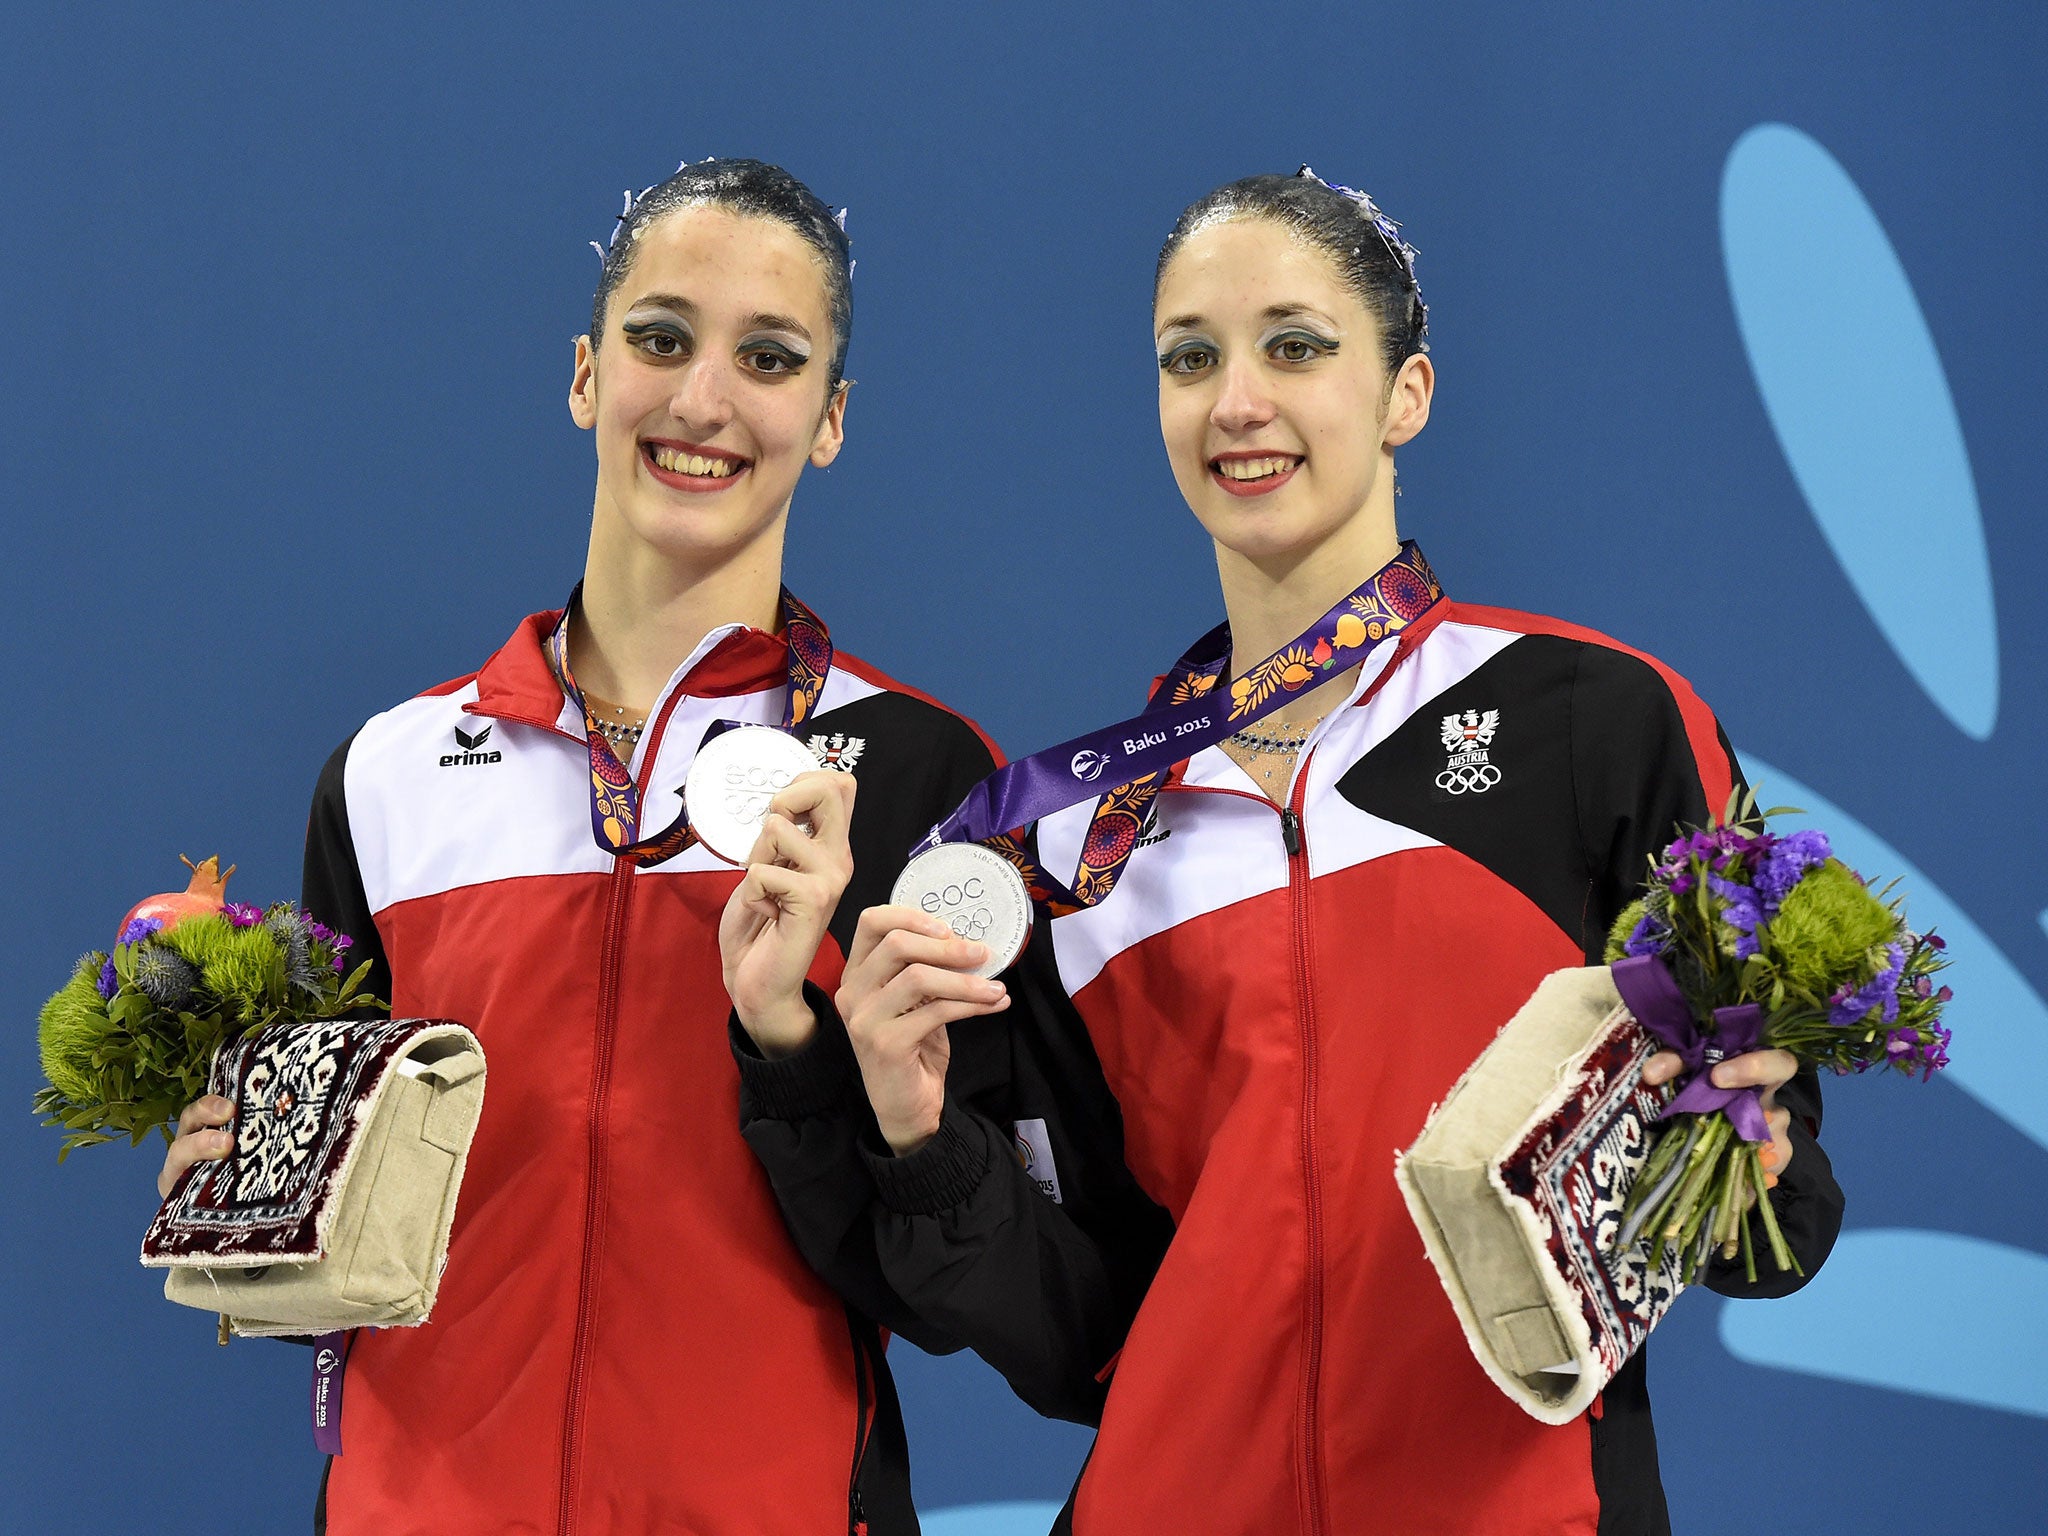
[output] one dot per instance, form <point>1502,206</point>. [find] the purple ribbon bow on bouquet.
<point>1651,992</point>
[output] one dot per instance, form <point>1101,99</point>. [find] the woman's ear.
<point>831,426</point>
<point>583,386</point>
<point>1408,400</point>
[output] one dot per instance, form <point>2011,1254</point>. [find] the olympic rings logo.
<point>1468,779</point>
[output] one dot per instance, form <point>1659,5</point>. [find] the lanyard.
<point>614,797</point>
<point>1183,716</point>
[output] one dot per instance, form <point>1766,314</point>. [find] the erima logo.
<point>472,746</point>
<point>1087,765</point>
<point>1034,1150</point>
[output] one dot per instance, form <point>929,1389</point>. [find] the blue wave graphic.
<point>1981,1339</point>
<point>1975,1307</point>
<point>1857,396</point>
<point>2000,1054</point>
<point>1031,1518</point>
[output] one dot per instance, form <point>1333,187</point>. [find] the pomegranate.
<point>203,897</point>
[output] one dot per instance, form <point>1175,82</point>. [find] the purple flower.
<point>1786,860</point>
<point>340,965</point>
<point>1648,938</point>
<point>343,944</point>
<point>110,979</point>
<point>242,914</point>
<point>1743,911</point>
<point>1934,1057</point>
<point>1881,991</point>
<point>320,933</point>
<point>136,929</point>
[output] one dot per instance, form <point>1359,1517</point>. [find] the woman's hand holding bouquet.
<point>127,1043</point>
<point>1750,944</point>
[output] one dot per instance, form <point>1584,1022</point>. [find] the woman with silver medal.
<point>626,1338</point>
<point>1354,828</point>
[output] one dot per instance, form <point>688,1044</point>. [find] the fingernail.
<point>1721,1078</point>
<point>976,951</point>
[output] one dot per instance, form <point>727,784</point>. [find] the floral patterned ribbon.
<point>614,797</point>
<point>1180,720</point>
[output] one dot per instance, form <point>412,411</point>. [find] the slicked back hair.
<point>1335,224</point>
<point>750,187</point>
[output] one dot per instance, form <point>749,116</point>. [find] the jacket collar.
<point>516,683</point>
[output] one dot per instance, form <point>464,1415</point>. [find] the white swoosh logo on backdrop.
<point>1857,397</point>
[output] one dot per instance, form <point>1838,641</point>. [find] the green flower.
<point>1827,929</point>
<point>73,1025</point>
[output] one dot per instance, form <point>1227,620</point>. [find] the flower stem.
<point>1731,1206</point>
<point>1669,1146</point>
<point>1698,1177</point>
<point>1779,1249</point>
<point>1646,1200</point>
<point>1748,1245</point>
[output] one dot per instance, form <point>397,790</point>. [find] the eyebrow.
<point>766,322</point>
<point>760,320</point>
<point>1267,315</point>
<point>674,301</point>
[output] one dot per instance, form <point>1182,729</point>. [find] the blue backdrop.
<point>1739,321</point>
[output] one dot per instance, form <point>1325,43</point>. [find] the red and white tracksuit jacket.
<point>1261,1015</point>
<point>627,1341</point>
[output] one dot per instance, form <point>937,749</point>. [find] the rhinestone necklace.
<point>620,730</point>
<point>1280,742</point>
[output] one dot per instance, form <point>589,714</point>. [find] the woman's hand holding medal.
<point>777,915</point>
<point>910,976</point>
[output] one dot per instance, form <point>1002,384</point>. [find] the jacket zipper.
<point>1296,845</point>
<point>618,898</point>
<point>863,1427</point>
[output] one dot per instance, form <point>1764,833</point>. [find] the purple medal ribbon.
<point>614,798</point>
<point>330,1362</point>
<point>1186,713</point>
<point>1651,992</point>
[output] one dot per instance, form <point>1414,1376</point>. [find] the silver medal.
<point>733,779</point>
<point>974,891</point>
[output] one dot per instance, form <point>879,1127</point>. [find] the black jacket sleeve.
<point>957,1244</point>
<point>331,887</point>
<point>1638,778</point>
<point>803,1115</point>
<point>1039,1268</point>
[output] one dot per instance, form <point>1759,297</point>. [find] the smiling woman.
<point>1323,919</point>
<point>626,1337</point>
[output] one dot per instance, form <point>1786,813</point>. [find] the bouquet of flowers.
<point>1746,940</point>
<point>130,1039</point>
